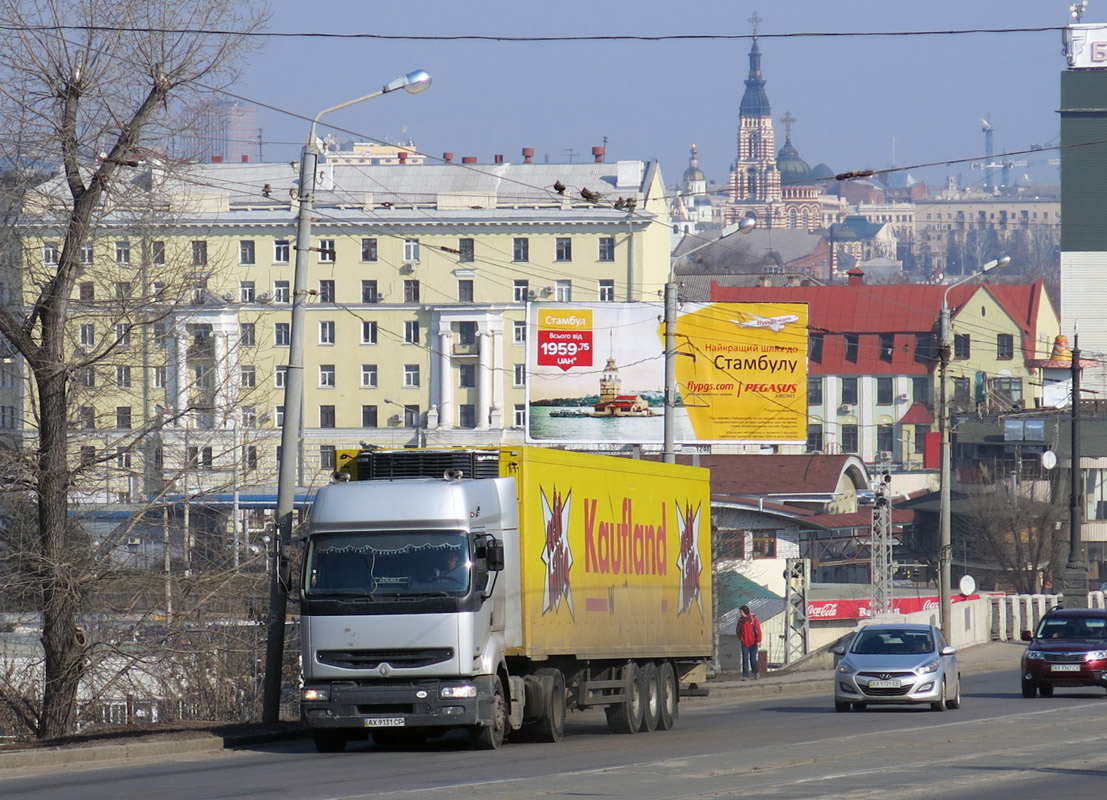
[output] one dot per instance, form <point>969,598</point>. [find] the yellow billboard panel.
<point>615,554</point>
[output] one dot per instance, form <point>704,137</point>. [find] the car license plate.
<point>1064,667</point>
<point>384,722</point>
<point>885,684</point>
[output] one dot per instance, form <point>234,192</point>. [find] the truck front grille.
<point>423,463</point>
<point>371,659</point>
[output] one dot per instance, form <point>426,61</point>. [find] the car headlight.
<point>465,690</point>
<point>929,667</point>
<point>315,693</point>
<point>1096,655</point>
<point>845,667</point>
<point>1035,655</point>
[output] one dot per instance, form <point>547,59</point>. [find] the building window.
<point>122,458</point>
<point>326,376</point>
<point>326,251</point>
<point>607,248</point>
<point>465,291</point>
<point>411,251</point>
<point>368,416</point>
<point>849,391</point>
<point>88,377</point>
<point>467,376</point>
<point>411,331</point>
<point>920,389</point>
<point>281,335</point>
<point>520,249</point>
<point>246,292</point>
<point>814,391</point>
<point>961,346</point>
<point>326,417</point>
<point>887,345</point>
<point>123,252</point>
<point>246,253</point>
<point>86,292</point>
<point>849,439</point>
<point>326,332</point>
<point>123,417</point>
<point>962,390</point>
<point>88,251</point>
<point>884,392</point>
<point>467,416</point>
<point>520,377</point>
<point>607,291</point>
<point>814,437</point>
<point>247,334</point>
<point>764,547</point>
<point>326,456</point>
<point>199,253</point>
<point>368,332</point>
<point>851,347</point>
<point>1005,346</point>
<point>411,374</point>
<point>412,417</point>
<point>88,335</point>
<point>465,250</point>
<point>250,457</point>
<point>369,292</point>
<point>281,292</point>
<point>564,292</point>
<point>924,348</point>
<point>88,418</point>
<point>51,254</point>
<point>886,438</point>
<point>247,376</point>
<point>123,334</point>
<point>519,418</point>
<point>411,291</point>
<point>122,376</point>
<point>278,422</point>
<point>280,377</point>
<point>521,291</point>
<point>467,333</point>
<point>281,250</point>
<point>369,375</point>
<point>920,438</point>
<point>88,455</point>
<point>815,348</point>
<point>518,332</point>
<point>369,249</point>
<point>326,291</point>
<point>563,249</point>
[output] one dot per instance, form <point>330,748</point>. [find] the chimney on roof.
<point>498,158</point>
<point>217,159</point>
<point>793,280</point>
<point>597,154</point>
<point>245,159</point>
<point>856,277</point>
<point>528,155</point>
<point>764,281</point>
<point>402,155</point>
<point>448,158</point>
<point>468,159</point>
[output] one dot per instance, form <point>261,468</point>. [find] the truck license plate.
<point>384,722</point>
<point>1064,667</point>
<point>885,684</point>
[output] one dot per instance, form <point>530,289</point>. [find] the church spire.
<point>755,102</point>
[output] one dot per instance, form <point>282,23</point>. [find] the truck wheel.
<point>490,737</point>
<point>651,698</point>
<point>626,717</point>
<point>329,741</point>
<point>551,727</point>
<point>667,708</point>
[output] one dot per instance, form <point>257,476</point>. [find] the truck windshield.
<point>388,565</point>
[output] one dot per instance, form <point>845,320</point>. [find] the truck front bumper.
<point>398,704</point>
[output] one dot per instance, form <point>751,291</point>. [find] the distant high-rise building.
<point>228,132</point>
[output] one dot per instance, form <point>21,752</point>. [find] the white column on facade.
<point>495,343</point>
<point>484,382</point>
<point>179,400</point>
<point>445,378</point>
<point>222,369</point>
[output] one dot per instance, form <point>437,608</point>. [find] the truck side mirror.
<point>495,555</point>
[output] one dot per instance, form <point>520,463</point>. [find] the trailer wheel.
<point>551,727</point>
<point>329,741</point>
<point>651,698</point>
<point>626,717</point>
<point>491,737</point>
<point>669,696</point>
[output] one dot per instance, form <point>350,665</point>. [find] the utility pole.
<point>1074,583</point>
<point>883,566</point>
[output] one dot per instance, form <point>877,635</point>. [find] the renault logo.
<point>384,670</point>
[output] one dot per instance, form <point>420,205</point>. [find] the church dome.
<point>693,173</point>
<point>792,168</point>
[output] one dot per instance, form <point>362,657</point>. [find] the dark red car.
<point>1069,648</point>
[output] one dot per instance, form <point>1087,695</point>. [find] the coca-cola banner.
<point>860,609</point>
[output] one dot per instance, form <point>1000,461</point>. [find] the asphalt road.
<point>997,745</point>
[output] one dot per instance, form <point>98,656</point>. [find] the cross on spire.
<point>787,119</point>
<point>753,22</point>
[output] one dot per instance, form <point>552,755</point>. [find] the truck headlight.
<point>465,690</point>
<point>315,693</point>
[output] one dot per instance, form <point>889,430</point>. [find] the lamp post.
<point>945,554</point>
<point>413,82</point>
<point>745,225</point>
<point>1074,578</point>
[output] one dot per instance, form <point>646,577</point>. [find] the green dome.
<point>791,167</point>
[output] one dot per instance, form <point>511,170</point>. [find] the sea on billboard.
<point>596,373</point>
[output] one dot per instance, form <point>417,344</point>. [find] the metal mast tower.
<point>882,565</point>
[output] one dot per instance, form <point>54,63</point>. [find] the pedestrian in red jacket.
<point>749,636</point>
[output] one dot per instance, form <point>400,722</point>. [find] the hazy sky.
<point>854,98</point>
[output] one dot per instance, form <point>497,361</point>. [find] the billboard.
<point>1086,45</point>
<point>596,373</point>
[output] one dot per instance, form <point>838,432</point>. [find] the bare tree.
<point>1019,538</point>
<point>90,88</point>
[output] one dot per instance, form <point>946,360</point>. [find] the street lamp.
<point>413,82</point>
<point>745,225</point>
<point>945,554</point>
<point>416,417</point>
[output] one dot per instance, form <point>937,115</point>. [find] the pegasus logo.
<point>775,324</point>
